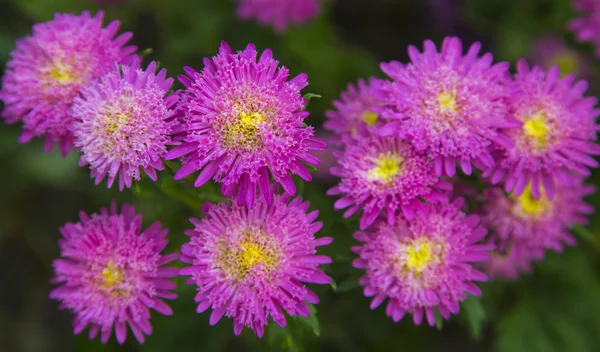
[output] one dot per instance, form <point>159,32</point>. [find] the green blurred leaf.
<point>475,315</point>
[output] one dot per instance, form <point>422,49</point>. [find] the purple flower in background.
<point>123,123</point>
<point>49,69</point>
<point>385,174</point>
<point>110,273</point>
<point>550,51</point>
<point>250,263</point>
<point>556,136</point>
<point>243,122</point>
<point>278,13</point>
<point>587,27</point>
<point>449,104</point>
<point>511,258</point>
<point>536,225</point>
<point>352,115</point>
<point>423,264</point>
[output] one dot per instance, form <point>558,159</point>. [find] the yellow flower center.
<point>566,61</point>
<point>536,130</point>
<point>387,166</point>
<point>113,122</point>
<point>370,118</point>
<point>530,206</point>
<point>419,256</point>
<point>247,254</point>
<point>447,102</point>
<point>243,131</point>
<point>61,74</point>
<point>111,276</point>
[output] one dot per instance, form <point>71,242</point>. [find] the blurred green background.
<point>557,308</point>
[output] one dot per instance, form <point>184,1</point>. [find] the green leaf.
<point>146,52</point>
<point>439,321</point>
<point>311,321</point>
<point>309,96</point>
<point>584,233</point>
<point>475,315</point>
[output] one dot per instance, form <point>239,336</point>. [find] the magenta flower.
<point>50,68</point>
<point>556,136</point>
<point>423,264</point>
<point>243,120</point>
<point>352,115</point>
<point>110,274</point>
<point>549,51</point>
<point>449,104</point>
<point>385,174</point>
<point>278,13</point>
<point>587,27</point>
<point>250,263</point>
<point>539,223</point>
<point>123,123</point>
<point>511,258</point>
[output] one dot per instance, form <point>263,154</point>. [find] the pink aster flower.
<point>242,121</point>
<point>250,263</point>
<point>278,13</point>
<point>549,51</point>
<point>352,115</point>
<point>123,123</point>
<point>587,27</point>
<point>423,264</point>
<point>556,133</point>
<point>449,104</point>
<point>50,68</point>
<point>511,258</point>
<point>540,223</point>
<point>385,174</point>
<point>110,274</point>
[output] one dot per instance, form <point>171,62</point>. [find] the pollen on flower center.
<point>387,166</point>
<point>111,276</point>
<point>531,207</point>
<point>447,102</point>
<point>243,132</point>
<point>61,74</point>
<point>370,118</point>
<point>537,130</point>
<point>247,254</point>
<point>419,256</point>
<point>115,121</point>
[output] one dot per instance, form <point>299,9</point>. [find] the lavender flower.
<point>278,13</point>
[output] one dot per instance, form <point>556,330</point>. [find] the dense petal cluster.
<point>587,26</point>
<point>449,104</point>
<point>423,264</point>
<point>49,69</point>
<point>523,227</point>
<point>353,115</point>
<point>110,274</point>
<point>385,174</point>
<point>249,263</point>
<point>242,121</point>
<point>556,133</point>
<point>278,13</point>
<point>123,123</point>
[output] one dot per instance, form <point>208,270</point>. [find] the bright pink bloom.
<point>124,122</point>
<point>423,264</point>
<point>250,263</point>
<point>49,69</point>
<point>587,26</point>
<point>278,13</point>
<point>110,274</point>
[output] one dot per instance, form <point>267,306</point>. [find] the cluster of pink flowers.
<point>399,142</point>
<point>240,122</point>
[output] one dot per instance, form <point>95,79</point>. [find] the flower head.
<point>587,27</point>
<point>385,174</point>
<point>110,274</point>
<point>50,68</point>
<point>278,13</point>
<point>449,104</point>
<point>243,121</point>
<point>511,258</point>
<point>423,264</point>
<point>535,225</point>
<point>549,51</point>
<point>555,135</point>
<point>353,115</point>
<point>250,263</point>
<point>123,123</point>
